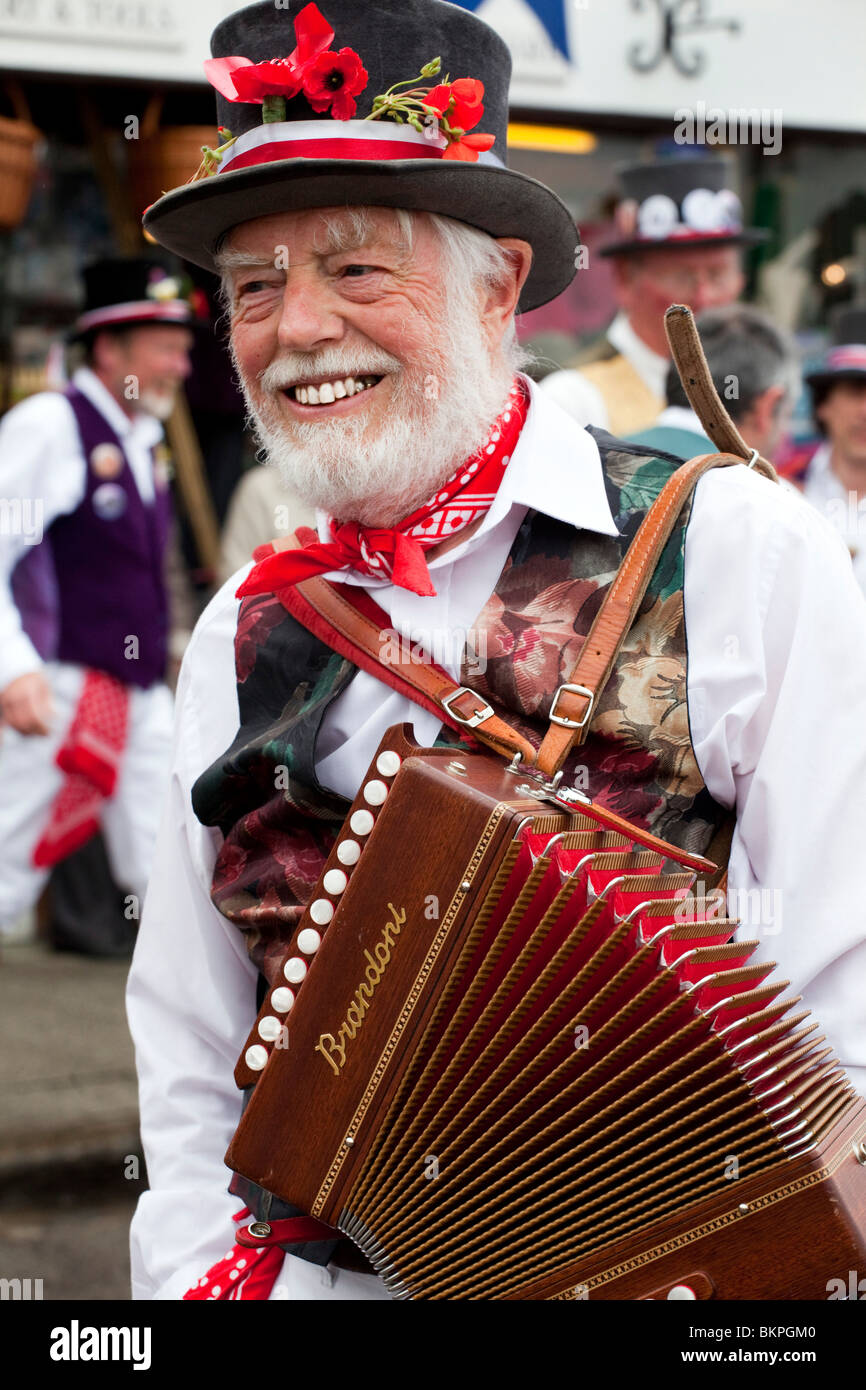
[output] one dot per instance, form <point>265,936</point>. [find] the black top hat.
<point>319,151</point>
<point>845,359</point>
<point>680,204</point>
<point>127,292</point>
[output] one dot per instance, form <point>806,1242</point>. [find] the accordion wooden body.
<point>518,1055</point>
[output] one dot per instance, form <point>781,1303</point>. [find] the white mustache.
<point>333,363</point>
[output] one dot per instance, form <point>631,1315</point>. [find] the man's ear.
<point>105,352</point>
<point>766,407</point>
<point>500,301</point>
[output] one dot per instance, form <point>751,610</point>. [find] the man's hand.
<point>27,705</point>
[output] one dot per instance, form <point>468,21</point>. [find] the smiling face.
<point>369,374</point>
<point>154,356</point>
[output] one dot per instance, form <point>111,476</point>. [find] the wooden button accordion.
<point>516,1054</point>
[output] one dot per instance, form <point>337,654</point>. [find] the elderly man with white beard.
<point>372,286</point>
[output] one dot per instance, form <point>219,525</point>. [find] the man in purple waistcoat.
<point>85,711</point>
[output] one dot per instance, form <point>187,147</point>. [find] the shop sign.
<point>144,23</point>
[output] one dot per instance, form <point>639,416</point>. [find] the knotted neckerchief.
<point>397,553</point>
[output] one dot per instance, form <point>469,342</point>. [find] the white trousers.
<point>299,1281</point>
<point>30,780</point>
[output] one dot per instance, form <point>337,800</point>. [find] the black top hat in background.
<point>679,204</point>
<point>311,159</point>
<point>845,359</point>
<point>128,292</point>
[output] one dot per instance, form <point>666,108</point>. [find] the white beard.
<point>439,415</point>
<point>157,403</point>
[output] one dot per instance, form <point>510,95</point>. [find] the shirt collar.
<point>819,463</point>
<point>143,429</point>
<point>820,483</point>
<point>555,469</point>
<point>678,417</point>
<point>651,368</point>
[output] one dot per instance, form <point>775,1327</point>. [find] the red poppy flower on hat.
<point>466,94</point>
<point>277,78</point>
<point>468,147</point>
<point>314,35</point>
<point>334,80</point>
<point>220,73</point>
<point>240,79</point>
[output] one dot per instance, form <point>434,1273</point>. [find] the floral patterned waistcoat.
<point>279,824</point>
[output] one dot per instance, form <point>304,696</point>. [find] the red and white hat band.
<point>139,310</point>
<point>850,357</point>
<point>360,140</point>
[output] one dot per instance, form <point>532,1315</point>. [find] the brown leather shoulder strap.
<point>460,707</point>
<point>574,703</point>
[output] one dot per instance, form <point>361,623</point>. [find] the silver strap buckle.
<point>486,711</point>
<point>561,718</point>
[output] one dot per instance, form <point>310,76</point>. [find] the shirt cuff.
<point>19,658</point>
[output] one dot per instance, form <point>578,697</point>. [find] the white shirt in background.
<point>845,511</point>
<point>582,399</point>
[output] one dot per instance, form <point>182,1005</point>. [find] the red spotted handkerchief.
<point>397,553</point>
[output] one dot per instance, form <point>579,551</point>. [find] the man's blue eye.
<point>356,270</point>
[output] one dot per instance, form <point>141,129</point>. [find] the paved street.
<point>70,1229</point>
<point>70,1173</point>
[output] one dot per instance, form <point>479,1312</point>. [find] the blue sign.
<point>550,12</point>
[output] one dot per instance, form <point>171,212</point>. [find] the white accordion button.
<point>362,822</point>
<point>256,1057</point>
<point>282,1000</point>
<point>309,941</point>
<point>321,912</point>
<point>334,882</point>
<point>295,969</point>
<point>270,1028</point>
<point>681,1291</point>
<point>375,793</point>
<point>349,852</point>
<point>388,764</point>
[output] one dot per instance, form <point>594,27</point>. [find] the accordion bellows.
<point>519,1056</point>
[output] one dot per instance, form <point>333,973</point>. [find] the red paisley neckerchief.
<point>397,553</point>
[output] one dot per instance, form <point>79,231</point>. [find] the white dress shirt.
<point>843,508</point>
<point>582,399</point>
<point>43,475</point>
<point>776,632</point>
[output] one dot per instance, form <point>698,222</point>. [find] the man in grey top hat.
<point>680,230</point>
